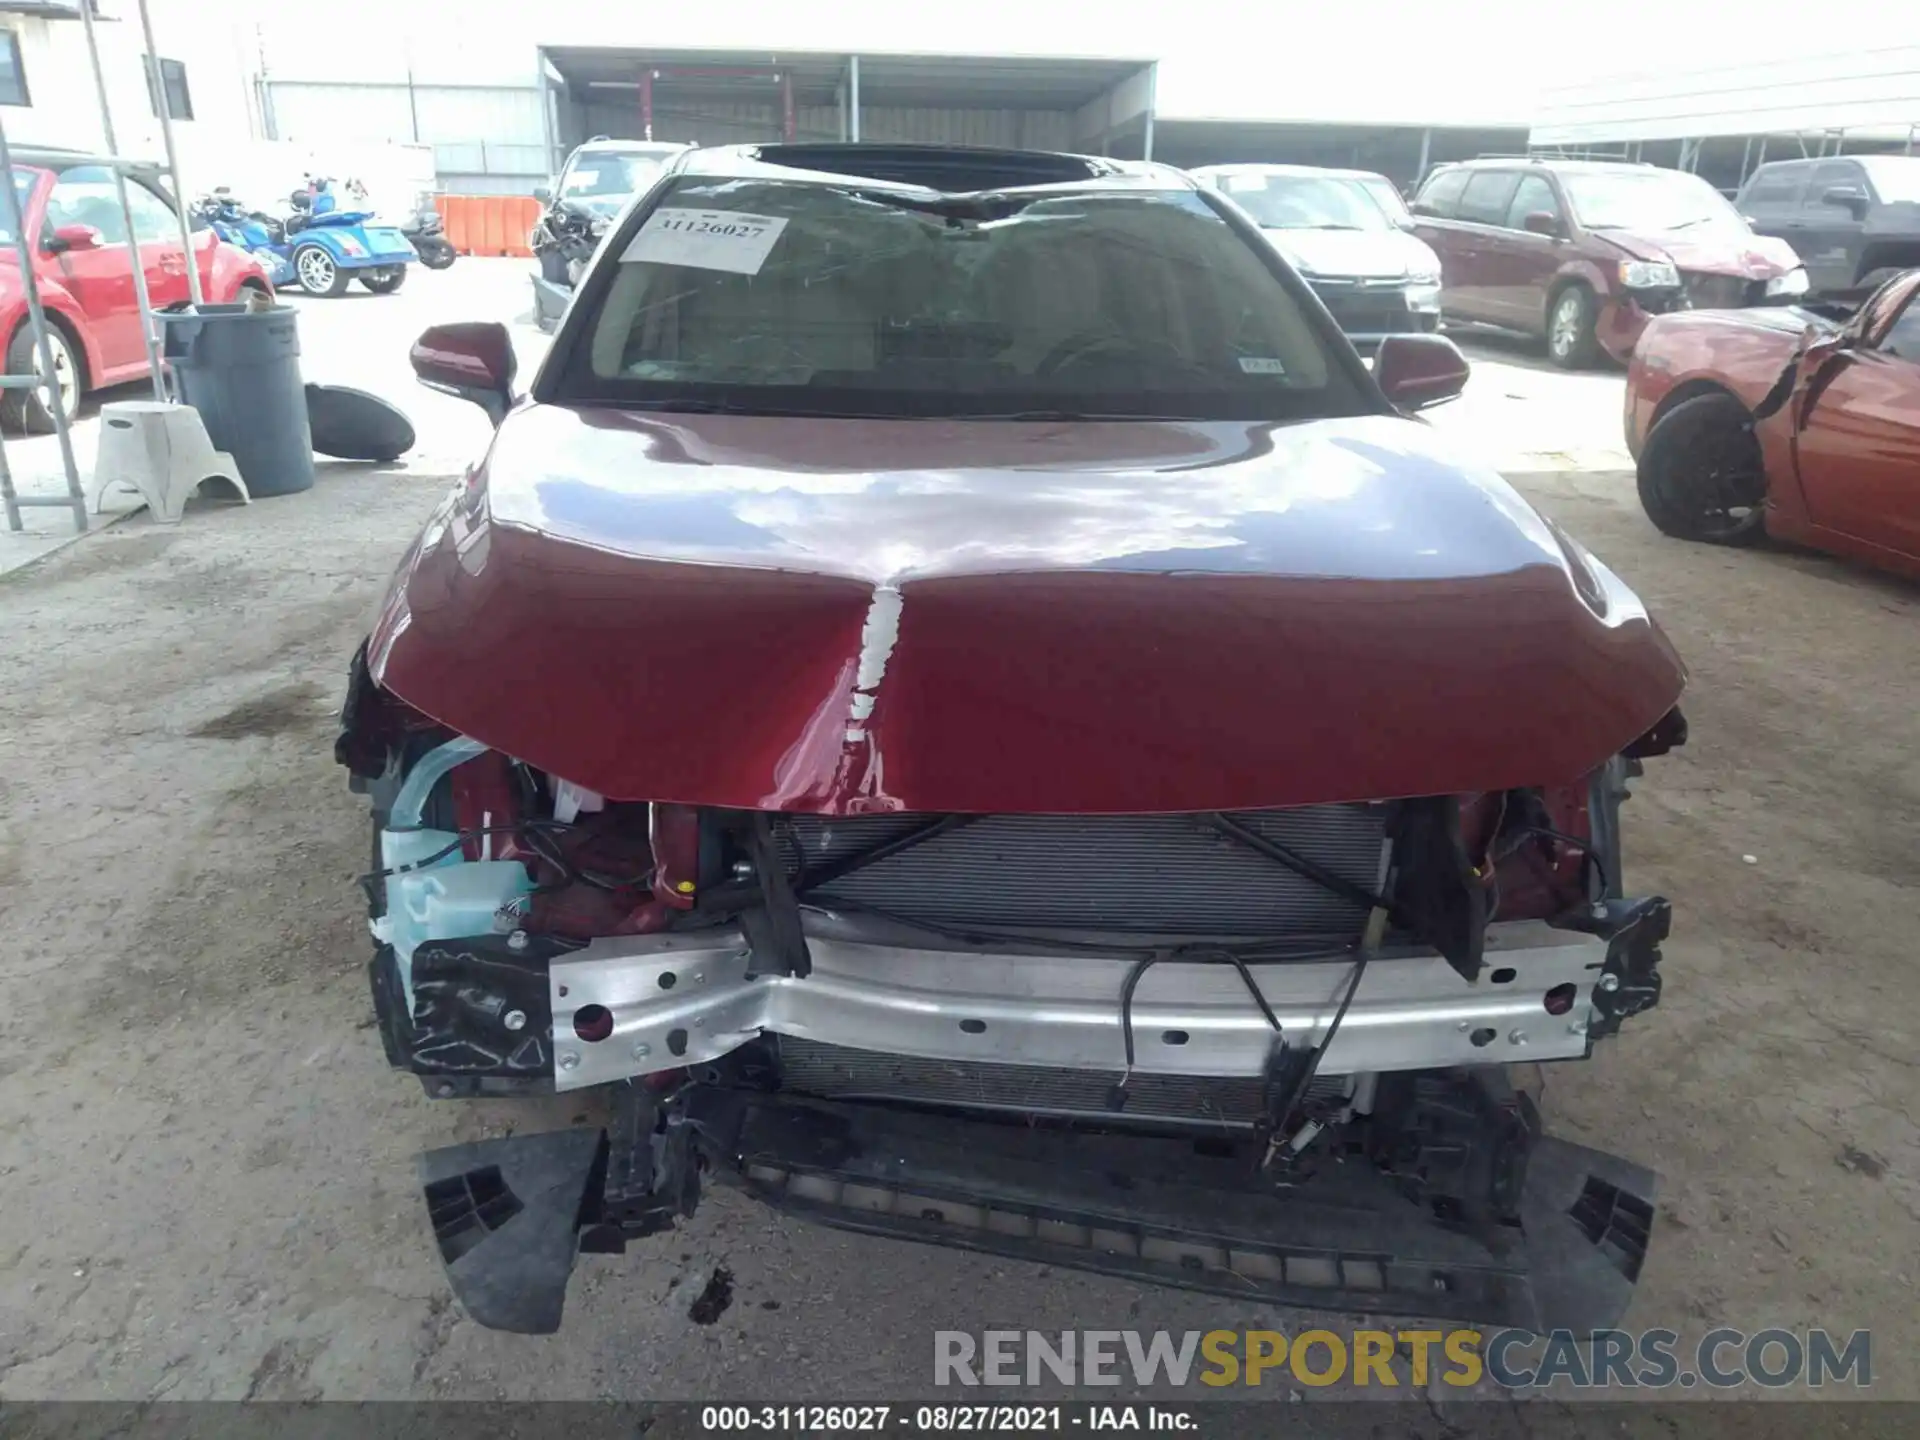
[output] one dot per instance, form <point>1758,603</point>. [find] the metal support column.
<point>788,125</point>
<point>549,113</point>
<point>148,332</point>
<point>9,501</point>
<point>1426,151</point>
<point>37,318</point>
<point>1153,92</point>
<point>853,97</point>
<point>173,159</point>
<point>646,103</point>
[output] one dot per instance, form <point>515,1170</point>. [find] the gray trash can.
<point>241,371</point>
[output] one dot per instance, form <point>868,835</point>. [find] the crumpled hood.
<point>844,616</point>
<point>1751,257</point>
<point>1368,254</point>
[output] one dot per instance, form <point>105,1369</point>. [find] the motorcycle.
<point>318,247</point>
<point>259,234</point>
<point>425,231</point>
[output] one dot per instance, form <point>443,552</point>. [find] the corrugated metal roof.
<point>1856,90</point>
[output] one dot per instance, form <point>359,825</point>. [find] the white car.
<point>1339,230</point>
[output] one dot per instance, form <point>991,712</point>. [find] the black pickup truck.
<point>1853,219</point>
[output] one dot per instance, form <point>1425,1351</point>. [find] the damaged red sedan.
<point>1802,424</point>
<point>959,705</point>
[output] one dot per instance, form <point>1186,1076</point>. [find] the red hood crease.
<point>846,616</point>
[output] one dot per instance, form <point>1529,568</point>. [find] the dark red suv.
<point>1580,253</point>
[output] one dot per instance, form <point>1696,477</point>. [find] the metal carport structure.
<point>1401,152</point>
<point>1723,121</point>
<point>717,97</point>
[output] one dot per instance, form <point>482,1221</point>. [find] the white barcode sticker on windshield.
<point>1261,365</point>
<point>707,239</point>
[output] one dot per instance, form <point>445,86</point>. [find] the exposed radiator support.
<point>1134,874</point>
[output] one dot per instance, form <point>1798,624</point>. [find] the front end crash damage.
<point>562,243</point>
<point>1392,1233</point>
<point>1262,1053</point>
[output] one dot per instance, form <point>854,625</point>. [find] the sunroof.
<point>937,167</point>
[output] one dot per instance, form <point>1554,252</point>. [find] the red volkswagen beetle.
<point>80,248</point>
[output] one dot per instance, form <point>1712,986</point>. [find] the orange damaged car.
<point>1798,422</point>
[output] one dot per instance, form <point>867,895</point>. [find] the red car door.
<point>1435,220</point>
<point>158,231</point>
<point>1486,269</point>
<point>1528,259</point>
<point>1858,446</point>
<point>99,278</point>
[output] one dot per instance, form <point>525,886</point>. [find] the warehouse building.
<point>491,96</point>
<point>502,106</point>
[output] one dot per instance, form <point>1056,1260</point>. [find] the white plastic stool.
<point>161,450</point>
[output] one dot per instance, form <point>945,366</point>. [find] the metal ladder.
<point>12,502</point>
<point>75,497</point>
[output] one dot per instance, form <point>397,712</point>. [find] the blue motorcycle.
<point>319,247</point>
<point>252,231</point>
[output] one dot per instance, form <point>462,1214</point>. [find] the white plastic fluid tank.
<point>450,898</point>
<point>448,901</point>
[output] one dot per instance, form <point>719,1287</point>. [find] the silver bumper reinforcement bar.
<point>684,999</point>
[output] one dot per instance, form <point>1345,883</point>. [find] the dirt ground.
<point>208,1168</point>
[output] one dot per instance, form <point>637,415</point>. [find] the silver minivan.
<point>1336,228</point>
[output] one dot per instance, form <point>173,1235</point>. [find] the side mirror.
<point>543,193</point>
<point>1850,198</point>
<point>66,238</point>
<point>473,360</point>
<point>1415,371</point>
<point>1402,222</point>
<point>1541,222</point>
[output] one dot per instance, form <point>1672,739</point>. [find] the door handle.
<point>172,262</point>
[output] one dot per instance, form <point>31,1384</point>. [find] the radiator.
<point>1132,874</point>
